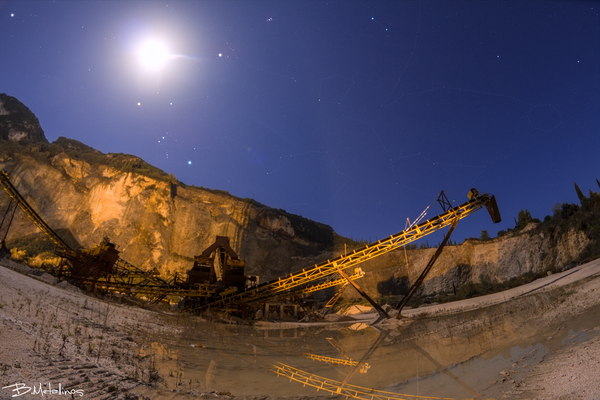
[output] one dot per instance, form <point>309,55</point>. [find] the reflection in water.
<point>210,374</point>
<point>335,387</point>
<point>331,360</point>
<point>443,369</point>
<point>363,361</point>
<point>457,356</point>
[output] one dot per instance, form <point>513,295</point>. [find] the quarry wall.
<point>162,223</point>
<point>155,224</point>
<point>494,261</point>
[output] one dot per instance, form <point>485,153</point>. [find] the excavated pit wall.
<point>163,225</point>
<point>494,261</point>
<point>153,223</point>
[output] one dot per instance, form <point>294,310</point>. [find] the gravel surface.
<point>52,332</point>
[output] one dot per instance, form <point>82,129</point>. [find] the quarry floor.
<point>93,348</point>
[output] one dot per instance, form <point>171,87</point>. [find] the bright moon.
<point>153,54</point>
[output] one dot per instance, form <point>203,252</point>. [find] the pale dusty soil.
<point>53,334</point>
<point>573,370</point>
<point>571,373</point>
<point>100,355</point>
<point>49,334</point>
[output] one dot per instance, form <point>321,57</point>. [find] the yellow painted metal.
<point>359,273</point>
<point>306,290</point>
<point>331,360</point>
<point>368,252</point>
<point>336,387</point>
<point>335,297</point>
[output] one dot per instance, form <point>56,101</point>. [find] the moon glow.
<point>153,54</point>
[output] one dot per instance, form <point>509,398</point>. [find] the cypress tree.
<point>579,194</point>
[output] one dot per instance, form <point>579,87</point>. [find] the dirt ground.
<point>58,334</point>
<point>572,370</point>
<point>52,332</point>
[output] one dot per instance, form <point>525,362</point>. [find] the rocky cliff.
<point>155,220</point>
<point>159,222</point>
<point>18,123</point>
<point>533,251</point>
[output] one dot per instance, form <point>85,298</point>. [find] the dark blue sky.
<point>351,113</point>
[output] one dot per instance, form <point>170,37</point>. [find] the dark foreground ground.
<point>55,333</point>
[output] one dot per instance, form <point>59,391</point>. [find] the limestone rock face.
<point>494,261</point>
<point>155,224</point>
<point>163,225</point>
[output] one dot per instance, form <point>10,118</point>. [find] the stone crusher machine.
<point>218,270</point>
<point>220,266</point>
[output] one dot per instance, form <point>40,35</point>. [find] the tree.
<point>580,194</point>
<point>484,235</point>
<point>524,218</point>
<point>564,210</point>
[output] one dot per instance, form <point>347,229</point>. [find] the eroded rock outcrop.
<point>493,261</point>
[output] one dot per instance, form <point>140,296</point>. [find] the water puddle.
<point>457,356</point>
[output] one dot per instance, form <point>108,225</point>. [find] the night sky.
<point>355,114</point>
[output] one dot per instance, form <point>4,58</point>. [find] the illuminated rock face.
<point>152,224</point>
<point>156,223</point>
<point>493,261</point>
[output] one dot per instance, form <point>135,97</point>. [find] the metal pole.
<point>381,311</point>
<point>421,278</point>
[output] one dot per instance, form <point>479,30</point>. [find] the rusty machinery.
<point>97,268</point>
<point>219,265</point>
<point>218,279</point>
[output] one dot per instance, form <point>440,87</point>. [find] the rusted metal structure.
<point>7,219</point>
<point>220,266</point>
<point>97,268</point>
